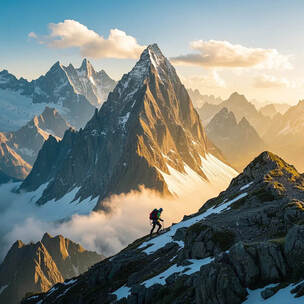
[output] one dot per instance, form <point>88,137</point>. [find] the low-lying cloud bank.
<point>105,233</point>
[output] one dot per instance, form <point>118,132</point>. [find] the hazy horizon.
<point>220,49</point>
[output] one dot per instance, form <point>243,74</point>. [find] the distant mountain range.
<point>244,246</point>
<point>146,133</point>
<point>198,99</point>
<point>19,149</point>
<point>239,142</point>
<point>286,135</point>
<point>73,92</point>
<point>35,268</point>
<point>240,107</point>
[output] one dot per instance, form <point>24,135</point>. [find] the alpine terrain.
<point>73,92</point>
<point>244,246</point>
<point>147,134</point>
<point>239,142</point>
<point>35,268</point>
<point>287,133</point>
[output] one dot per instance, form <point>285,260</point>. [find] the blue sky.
<point>172,24</point>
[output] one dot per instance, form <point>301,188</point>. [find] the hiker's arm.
<point>161,219</point>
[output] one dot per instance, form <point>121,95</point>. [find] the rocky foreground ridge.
<point>36,267</point>
<point>248,241</point>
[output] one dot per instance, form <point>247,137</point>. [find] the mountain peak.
<point>237,97</point>
<point>268,163</point>
<point>85,65</point>
<point>56,66</point>
<point>244,122</point>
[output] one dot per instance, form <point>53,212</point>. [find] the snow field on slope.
<point>161,240</point>
<point>188,270</point>
<point>122,292</point>
<point>283,296</point>
<point>125,291</point>
<point>48,211</point>
<point>17,110</point>
<point>181,184</point>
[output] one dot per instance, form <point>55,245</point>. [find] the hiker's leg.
<point>159,226</point>
<point>153,226</point>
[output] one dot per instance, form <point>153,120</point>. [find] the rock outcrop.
<point>35,268</point>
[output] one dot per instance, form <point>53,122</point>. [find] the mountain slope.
<point>28,140</point>
<point>198,99</point>
<point>37,267</point>
<point>241,107</point>
<point>286,135</point>
<point>73,92</point>
<point>146,133</point>
<point>95,86</point>
<point>11,163</point>
<point>244,246</point>
<point>239,142</point>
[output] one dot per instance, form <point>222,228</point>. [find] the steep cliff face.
<point>146,133</point>
<point>37,267</point>
<point>243,246</point>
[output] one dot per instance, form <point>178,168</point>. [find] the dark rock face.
<point>248,237</point>
<point>147,122</point>
<point>37,267</point>
<point>4,178</point>
<point>239,142</point>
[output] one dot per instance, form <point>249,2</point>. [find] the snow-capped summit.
<point>146,133</point>
<point>95,86</point>
<point>73,92</point>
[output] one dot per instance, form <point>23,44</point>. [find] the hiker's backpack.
<point>153,215</point>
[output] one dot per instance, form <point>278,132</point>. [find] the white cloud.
<point>265,81</point>
<point>214,53</point>
<point>71,33</point>
<point>212,80</point>
<point>32,35</point>
<point>105,233</point>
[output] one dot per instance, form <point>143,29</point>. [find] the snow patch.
<point>188,269</point>
<point>283,296</point>
<point>2,288</point>
<point>161,240</point>
<point>122,292</point>
<point>123,120</point>
<point>246,186</point>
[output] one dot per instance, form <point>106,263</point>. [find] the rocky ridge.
<point>248,240</point>
<point>37,267</point>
